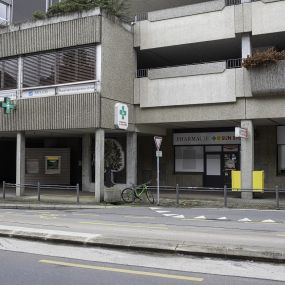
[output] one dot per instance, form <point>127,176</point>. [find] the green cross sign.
<point>7,105</point>
<point>123,112</point>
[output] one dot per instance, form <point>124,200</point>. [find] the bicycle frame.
<point>140,190</point>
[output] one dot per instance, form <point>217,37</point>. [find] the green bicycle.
<point>130,194</point>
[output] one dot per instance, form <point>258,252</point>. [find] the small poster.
<point>52,164</point>
<point>33,166</point>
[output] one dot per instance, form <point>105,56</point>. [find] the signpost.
<point>158,141</point>
<point>241,133</point>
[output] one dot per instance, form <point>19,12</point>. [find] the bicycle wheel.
<point>149,196</point>
<point>128,195</point>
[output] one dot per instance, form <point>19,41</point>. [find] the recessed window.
<point>3,12</point>
<point>189,159</point>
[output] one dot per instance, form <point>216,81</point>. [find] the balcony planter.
<point>268,79</point>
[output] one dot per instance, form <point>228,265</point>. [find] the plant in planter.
<point>114,160</point>
<point>263,58</point>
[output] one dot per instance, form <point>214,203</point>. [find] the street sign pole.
<point>158,141</point>
<point>157,163</point>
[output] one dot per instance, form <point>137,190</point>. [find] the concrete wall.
<point>54,33</point>
<point>193,84</point>
<point>268,17</point>
<point>118,70</point>
<point>183,29</point>
<point>51,113</point>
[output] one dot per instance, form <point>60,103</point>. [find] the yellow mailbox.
<point>258,181</point>
<point>236,180</point>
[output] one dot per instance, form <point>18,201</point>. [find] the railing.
<point>224,191</point>
<point>141,17</point>
<point>232,2</point>
<point>230,63</point>
<point>40,187</point>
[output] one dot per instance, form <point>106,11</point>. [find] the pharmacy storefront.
<point>211,154</point>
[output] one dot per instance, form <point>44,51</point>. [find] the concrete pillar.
<point>20,163</point>
<point>86,163</point>
<point>131,158</point>
<point>99,164</point>
<point>247,159</point>
<point>246,48</point>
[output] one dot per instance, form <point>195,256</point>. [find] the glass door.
<point>213,175</point>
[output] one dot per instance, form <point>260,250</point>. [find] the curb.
<point>147,245</point>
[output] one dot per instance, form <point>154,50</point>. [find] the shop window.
<point>189,159</point>
<point>60,67</point>
<point>281,159</point>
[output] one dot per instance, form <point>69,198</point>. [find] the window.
<point>3,12</point>
<point>64,66</point>
<point>8,74</point>
<point>281,159</point>
<point>189,159</point>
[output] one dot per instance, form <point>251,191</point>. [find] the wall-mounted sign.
<point>38,93</point>
<point>12,94</point>
<point>7,105</point>
<point>121,116</point>
<point>76,89</point>
<point>241,133</point>
<point>52,164</point>
<point>212,138</point>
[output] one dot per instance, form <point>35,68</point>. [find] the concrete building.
<point>176,72</point>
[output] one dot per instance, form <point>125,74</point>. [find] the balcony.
<point>208,21</point>
<point>208,83</point>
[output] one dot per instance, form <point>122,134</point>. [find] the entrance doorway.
<point>8,161</point>
<point>218,166</point>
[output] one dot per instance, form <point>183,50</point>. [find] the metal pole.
<point>177,194</point>
<point>77,193</point>
<point>225,196</point>
<point>157,163</point>
<point>4,190</point>
<point>277,197</point>
<point>39,191</point>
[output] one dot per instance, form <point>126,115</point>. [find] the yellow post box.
<point>258,181</point>
<point>236,180</point>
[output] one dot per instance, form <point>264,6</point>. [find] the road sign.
<point>241,133</point>
<point>158,141</point>
<point>158,153</point>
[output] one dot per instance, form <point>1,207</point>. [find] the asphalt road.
<point>217,226</point>
<point>26,263</point>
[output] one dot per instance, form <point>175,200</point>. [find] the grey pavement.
<point>252,234</point>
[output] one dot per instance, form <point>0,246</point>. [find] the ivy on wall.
<point>116,8</point>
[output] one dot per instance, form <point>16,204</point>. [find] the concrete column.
<point>20,163</point>
<point>99,164</point>
<point>247,159</point>
<point>246,48</point>
<point>131,158</point>
<point>86,163</point>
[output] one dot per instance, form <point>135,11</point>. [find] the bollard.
<point>39,191</point>
<point>277,197</point>
<point>4,190</point>
<point>77,193</point>
<point>225,196</point>
<point>177,194</point>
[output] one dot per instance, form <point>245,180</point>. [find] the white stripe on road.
<point>161,212</point>
<point>244,220</point>
<point>200,218</point>
<point>222,218</point>
<point>170,215</point>
<point>268,221</point>
<point>179,217</point>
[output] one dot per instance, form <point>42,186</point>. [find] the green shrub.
<point>265,57</point>
<point>39,15</point>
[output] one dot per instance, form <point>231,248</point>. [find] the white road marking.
<point>200,218</point>
<point>268,221</point>
<point>161,212</point>
<point>222,218</point>
<point>152,208</point>
<point>245,220</point>
<point>179,217</point>
<point>170,215</point>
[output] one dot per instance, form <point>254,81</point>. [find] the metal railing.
<point>230,63</point>
<point>40,187</point>
<point>225,191</point>
<point>141,17</point>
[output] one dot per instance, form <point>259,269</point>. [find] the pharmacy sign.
<point>7,105</point>
<point>121,116</point>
